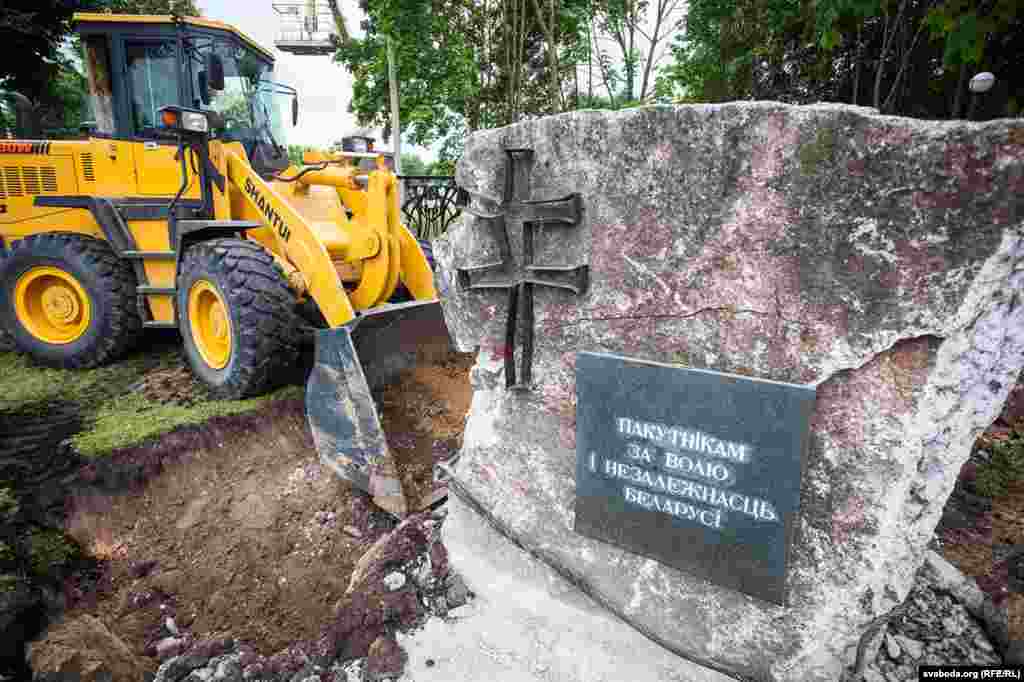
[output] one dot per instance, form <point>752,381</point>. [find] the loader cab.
<point>138,64</point>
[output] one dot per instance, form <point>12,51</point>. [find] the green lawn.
<point>115,416</point>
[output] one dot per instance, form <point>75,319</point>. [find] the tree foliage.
<point>48,68</point>
<point>34,31</point>
<point>412,164</point>
<point>462,64</point>
<point>185,8</point>
<point>909,57</point>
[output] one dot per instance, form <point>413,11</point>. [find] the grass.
<point>115,417</point>
<point>22,381</point>
<point>49,548</point>
<point>130,419</point>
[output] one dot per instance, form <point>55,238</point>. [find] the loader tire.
<point>68,301</point>
<point>237,318</point>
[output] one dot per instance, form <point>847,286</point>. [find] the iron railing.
<point>430,205</point>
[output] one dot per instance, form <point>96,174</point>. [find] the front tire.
<point>237,317</point>
<point>68,301</point>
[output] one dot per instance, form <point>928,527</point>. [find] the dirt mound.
<point>84,649</point>
<point>174,386</point>
<point>236,530</point>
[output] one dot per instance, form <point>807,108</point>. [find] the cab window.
<point>153,76</point>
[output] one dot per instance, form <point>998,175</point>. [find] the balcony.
<point>305,27</point>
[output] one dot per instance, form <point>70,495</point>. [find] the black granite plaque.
<point>697,469</point>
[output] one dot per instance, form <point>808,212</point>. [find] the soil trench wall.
<point>877,258</point>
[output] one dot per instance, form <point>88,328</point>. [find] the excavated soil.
<point>239,531</point>
<point>974,552</point>
<point>978,533</point>
<point>424,417</point>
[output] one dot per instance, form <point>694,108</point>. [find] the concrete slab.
<point>529,624</point>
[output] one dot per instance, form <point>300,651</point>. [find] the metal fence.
<point>431,204</point>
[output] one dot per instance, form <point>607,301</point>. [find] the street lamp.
<point>979,84</point>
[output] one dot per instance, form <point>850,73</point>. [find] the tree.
<point>909,57</point>
<point>639,30</point>
<point>47,70</point>
<point>185,8</point>
<point>442,167</point>
<point>295,154</point>
<point>34,31</point>
<point>412,164</point>
<point>462,64</point>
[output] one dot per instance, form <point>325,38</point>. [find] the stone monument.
<point>875,262</point>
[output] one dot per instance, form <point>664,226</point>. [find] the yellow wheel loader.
<point>179,209</point>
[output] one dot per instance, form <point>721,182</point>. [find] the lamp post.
<point>979,84</point>
<point>396,125</point>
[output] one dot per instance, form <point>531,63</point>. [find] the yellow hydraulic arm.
<point>375,237</point>
<point>296,239</point>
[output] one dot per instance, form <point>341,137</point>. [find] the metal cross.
<point>500,270</point>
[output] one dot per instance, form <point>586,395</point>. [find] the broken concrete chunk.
<point>394,581</point>
<point>892,648</point>
<point>457,593</point>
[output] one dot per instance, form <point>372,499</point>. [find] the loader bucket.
<point>339,404</point>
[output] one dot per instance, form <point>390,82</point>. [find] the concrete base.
<point>528,623</point>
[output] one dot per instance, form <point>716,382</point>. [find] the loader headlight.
<point>187,120</point>
<point>195,122</point>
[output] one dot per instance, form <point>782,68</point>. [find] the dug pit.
<point>241,532</point>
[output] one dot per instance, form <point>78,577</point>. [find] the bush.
<point>1005,466</point>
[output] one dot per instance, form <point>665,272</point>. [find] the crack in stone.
<point>676,316</point>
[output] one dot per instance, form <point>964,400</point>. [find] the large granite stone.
<point>880,259</point>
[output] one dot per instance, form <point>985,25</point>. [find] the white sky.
<point>325,87</point>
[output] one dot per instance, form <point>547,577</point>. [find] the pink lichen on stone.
<point>974,174</point>
<point>850,402</point>
<point>662,154</point>
<point>917,261</point>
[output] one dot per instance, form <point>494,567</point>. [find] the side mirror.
<point>214,71</point>
<point>204,87</point>
<point>295,110</point>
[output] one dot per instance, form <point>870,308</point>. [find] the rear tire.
<point>243,338</point>
<point>68,301</point>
